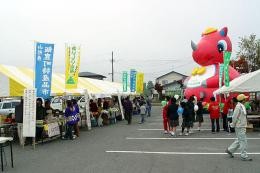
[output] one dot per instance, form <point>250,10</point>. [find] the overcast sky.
<point>152,36</point>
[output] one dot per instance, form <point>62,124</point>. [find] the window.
<point>164,82</point>
<point>56,100</point>
<point>1,105</point>
<point>7,105</point>
<point>15,104</point>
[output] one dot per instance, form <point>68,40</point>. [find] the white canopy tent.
<point>245,83</point>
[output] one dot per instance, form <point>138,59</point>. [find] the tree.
<point>250,50</point>
<point>149,88</point>
<point>158,87</point>
<point>240,65</point>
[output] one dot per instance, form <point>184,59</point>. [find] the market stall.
<point>247,83</point>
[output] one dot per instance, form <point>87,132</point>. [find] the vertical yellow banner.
<point>72,56</point>
<point>140,82</point>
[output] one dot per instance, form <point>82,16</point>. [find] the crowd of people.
<point>233,115</point>
<point>191,111</point>
<point>139,106</point>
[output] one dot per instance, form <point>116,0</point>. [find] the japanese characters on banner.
<point>43,69</point>
<point>140,82</point>
<point>72,66</point>
<point>29,113</point>
<point>132,80</point>
<point>221,69</point>
<point>226,67</point>
<point>125,79</point>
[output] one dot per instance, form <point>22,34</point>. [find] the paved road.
<point>136,148</point>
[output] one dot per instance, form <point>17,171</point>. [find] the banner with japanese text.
<point>72,66</point>
<point>226,67</point>
<point>43,68</point>
<point>221,69</point>
<point>124,80</point>
<point>140,82</point>
<point>132,80</point>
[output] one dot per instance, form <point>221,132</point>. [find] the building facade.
<point>172,83</point>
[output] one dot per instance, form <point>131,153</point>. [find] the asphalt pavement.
<point>137,148</point>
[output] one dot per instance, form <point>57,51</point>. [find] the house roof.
<point>172,72</point>
<point>90,74</point>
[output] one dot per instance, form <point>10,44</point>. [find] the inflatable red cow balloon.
<point>209,54</point>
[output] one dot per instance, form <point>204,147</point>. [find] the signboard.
<point>87,110</point>
<point>29,113</point>
<point>226,67</point>
<point>140,82</point>
<point>53,129</point>
<point>43,69</point>
<point>124,80</point>
<point>221,69</point>
<point>132,80</point>
<point>72,66</point>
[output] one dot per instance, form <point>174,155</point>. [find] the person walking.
<point>148,106</point>
<point>214,114</point>
<point>226,108</point>
<point>165,104</point>
<point>191,105</point>
<point>239,121</point>
<point>186,119</point>
<point>199,113</point>
<point>173,116</point>
<point>142,112</point>
<point>128,106</point>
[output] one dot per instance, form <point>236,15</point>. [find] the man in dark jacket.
<point>128,106</point>
<point>19,121</point>
<point>173,116</point>
<point>40,115</point>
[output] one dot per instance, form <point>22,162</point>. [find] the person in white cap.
<point>239,121</point>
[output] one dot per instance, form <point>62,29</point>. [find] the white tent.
<point>245,83</point>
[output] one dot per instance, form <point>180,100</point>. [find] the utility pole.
<point>112,66</point>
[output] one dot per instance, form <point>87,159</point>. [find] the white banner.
<point>53,129</point>
<point>29,113</point>
<point>87,110</point>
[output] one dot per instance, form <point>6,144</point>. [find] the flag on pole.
<point>226,67</point>
<point>140,82</point>
<point>221,69</point>
<point>72,66</point>
<point>132,80</point>
<point>43,69</point>
<point>124,80</point>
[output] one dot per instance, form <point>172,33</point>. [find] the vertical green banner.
<point>226,67</point>
<point>124,80</point>
<point>221,69</point>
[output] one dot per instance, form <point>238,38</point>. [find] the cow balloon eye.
<point>222,45</point>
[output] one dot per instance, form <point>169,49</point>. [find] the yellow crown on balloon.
<point>209,31</point>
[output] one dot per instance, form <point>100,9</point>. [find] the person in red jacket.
<point>227,106</point>
<point>165,105</point>
<point>214,114</point>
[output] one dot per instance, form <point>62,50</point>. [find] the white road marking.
<point>163,129</point>
<point>173,153</point>
<point>186,138</point>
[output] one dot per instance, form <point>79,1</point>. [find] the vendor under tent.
<point>245,83</point>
